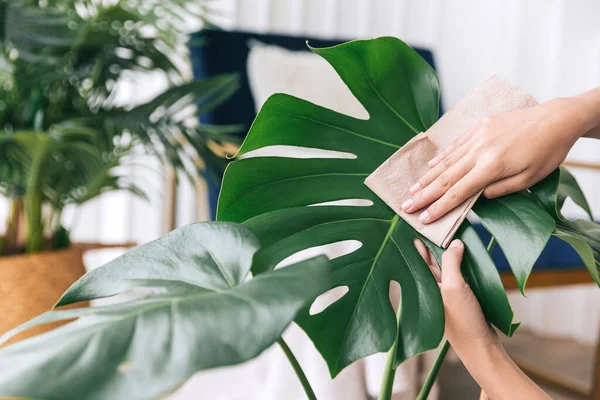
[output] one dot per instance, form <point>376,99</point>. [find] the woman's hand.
<point>466,328</point>
<point>502,154</point>
<point>474,340</point>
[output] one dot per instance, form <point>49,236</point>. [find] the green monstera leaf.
<point>582,235</point>
<point>202,313</point>
<point>286,202</point>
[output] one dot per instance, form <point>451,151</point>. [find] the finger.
<point>506,186</point>
<point>423,250</point>
<point>448,161</point>
<point>429,259</point>
<point>470,184</point>
<point>456,143</point>
<point>451,260</point>
<point>439,187</point>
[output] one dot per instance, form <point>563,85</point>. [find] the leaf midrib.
<point>417,299</point>
<point>220,268</point>
<point>144,308</point>
<point>386,239</point>
<point>381,97</point>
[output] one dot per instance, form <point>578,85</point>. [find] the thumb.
<point>451,260</point>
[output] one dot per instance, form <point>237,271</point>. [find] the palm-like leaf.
<point>63,62</point>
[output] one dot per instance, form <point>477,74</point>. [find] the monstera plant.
<point>202,314</point>
<point>287,203</point>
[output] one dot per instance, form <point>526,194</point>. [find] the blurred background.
<point>551,48</point>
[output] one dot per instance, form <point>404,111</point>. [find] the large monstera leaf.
<point>201,314</point>
<point>281,199</point>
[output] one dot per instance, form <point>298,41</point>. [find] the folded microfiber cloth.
<point>392,180</point>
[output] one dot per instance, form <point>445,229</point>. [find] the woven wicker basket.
<point>31,284</point>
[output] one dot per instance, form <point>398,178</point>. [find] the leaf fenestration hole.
<point>394,294</point>
<point>296,152</point>
<point>345,202</point>
<point>331,250</point>
<point>325,300</point>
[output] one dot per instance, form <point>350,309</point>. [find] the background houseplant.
<point>270,196</point>
<point>64,135</point>
<point>65,138</point>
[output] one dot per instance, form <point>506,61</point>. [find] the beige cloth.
<point>392,180</point>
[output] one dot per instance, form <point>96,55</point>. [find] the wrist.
<point>573,114</point>
<point>480,353</point>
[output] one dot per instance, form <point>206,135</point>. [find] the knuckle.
<point>444,179</point>
<point>488,160</point>
<point>448,161</point>
<point>499,163</point>
<point>480,145</point>
<point>454,193</point>
<point>454,289</point>
<point>449,290</point>
<point>489,194</point>
<point>488,121</point>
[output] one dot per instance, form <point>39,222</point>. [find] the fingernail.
<point>407,205</point>
<point>433,162</point>
<point>424,217</point>
<point>415,188</point>
<point>456,243</point>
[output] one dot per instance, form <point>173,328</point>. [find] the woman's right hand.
<point>474,340</point>
<point>466,328</point>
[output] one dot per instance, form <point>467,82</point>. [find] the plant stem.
<point>387,383</point>
<point>491,245</point>
<point>33,194</point>
<point>13,226</point>
<point>297,369</point>
<point>435,369</point>
<point>35,227</point>
<point>33,200</point>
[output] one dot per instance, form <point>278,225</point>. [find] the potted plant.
<point>64,139</point>
<point>200,313</point>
